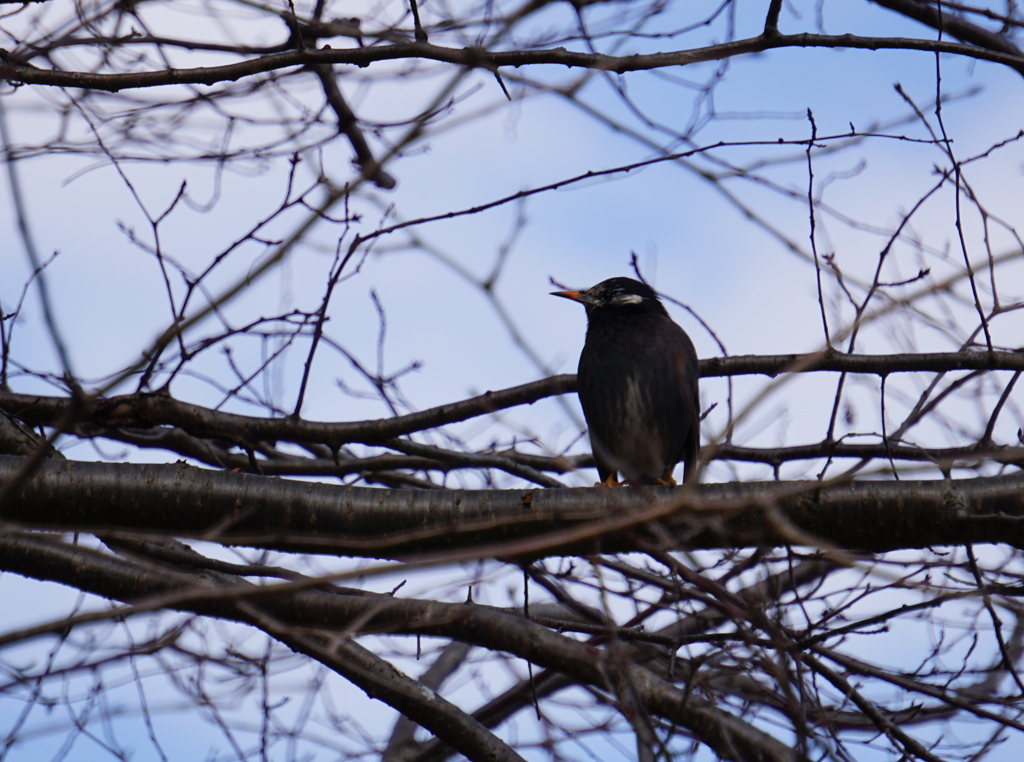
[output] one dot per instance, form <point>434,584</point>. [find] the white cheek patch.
<point>627,299</point>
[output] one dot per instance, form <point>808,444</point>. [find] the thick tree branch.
<point>293,516</point>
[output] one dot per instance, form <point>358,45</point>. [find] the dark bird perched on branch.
<point>637,382</point>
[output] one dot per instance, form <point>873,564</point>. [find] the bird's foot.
<point>609,481</point>
<point>666,480</point>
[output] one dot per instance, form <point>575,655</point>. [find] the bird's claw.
<point>666,480</point>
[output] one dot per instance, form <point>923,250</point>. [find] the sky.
<point>690,241</point>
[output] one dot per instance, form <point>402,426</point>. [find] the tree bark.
<point>294,516</point>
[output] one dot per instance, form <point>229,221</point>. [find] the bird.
<point>638,385</point>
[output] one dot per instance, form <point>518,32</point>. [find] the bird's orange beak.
<point>574,295</point>
<point>583,297</point>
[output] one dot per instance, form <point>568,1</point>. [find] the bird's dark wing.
<point>688,368</point>
<point>675,384</point>
<point>601,380</point>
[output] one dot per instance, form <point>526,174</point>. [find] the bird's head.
<point>616,294</point>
